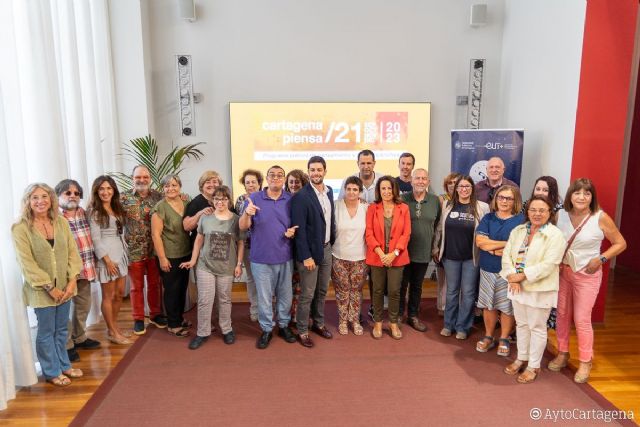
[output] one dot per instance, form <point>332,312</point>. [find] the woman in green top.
<point>50,263</point>
<point>172,247</point>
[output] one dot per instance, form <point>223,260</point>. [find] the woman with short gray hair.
<point>172,246</point>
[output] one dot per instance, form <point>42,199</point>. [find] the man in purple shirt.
<point>486,188</point>
<point>267,215</point>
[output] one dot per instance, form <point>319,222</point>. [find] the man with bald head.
<point>486,188</point>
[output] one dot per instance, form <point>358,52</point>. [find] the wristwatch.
<point>396,252</point>
<point>48,287</point>
<point>603,259</point>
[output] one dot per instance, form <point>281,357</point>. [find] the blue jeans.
<point>462,284</point>
<point>273,279</point>
<point>51,339</point>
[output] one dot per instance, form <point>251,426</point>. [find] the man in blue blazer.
<point>313,212</point>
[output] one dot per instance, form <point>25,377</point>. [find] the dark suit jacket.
<point>306,213</point>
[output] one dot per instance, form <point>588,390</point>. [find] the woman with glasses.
<point>491,237</point>
<point>459,255</point>
<point>441,296</point>
<point>530,263</point>
<point>172,246</point>
<point>585,226</point>
<point>202,203</point>
<point>106,219</point>
<point>50,264</point>
<point>387,235</point>
<point>252,180</point>
<point>218,251</point>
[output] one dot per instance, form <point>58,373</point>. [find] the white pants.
<point>531,331</point>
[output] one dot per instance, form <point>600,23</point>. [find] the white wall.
<point>371,50</point>
<point>541,54</point>
<point>333,50</point>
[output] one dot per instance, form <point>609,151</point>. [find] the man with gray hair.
<point>486,188</point>
<point>69,194</point>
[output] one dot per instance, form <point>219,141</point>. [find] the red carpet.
<point>423,379</point>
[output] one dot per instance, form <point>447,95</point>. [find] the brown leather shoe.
<point>515,367</point>
<point>396,333</point>
<point>416,324</point>
<point>305,340</point>
<point>376,332</point>
<point>322,331</point>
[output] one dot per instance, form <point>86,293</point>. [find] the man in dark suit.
<point>312,211</point>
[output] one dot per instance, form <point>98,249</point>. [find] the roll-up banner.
<point>472,148</point>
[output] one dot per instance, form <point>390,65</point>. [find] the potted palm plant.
<point>144,151</point>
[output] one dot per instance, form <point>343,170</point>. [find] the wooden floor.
<point>616,371</point>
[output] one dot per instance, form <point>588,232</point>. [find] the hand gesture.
<point>56,294</point>
<point>188,264</point>
<point>207,211</point>
<point>165,265</point>
<point>593,266</point>
<point>291,231</point>
<point>251,209</point>
<point>309,264</point>
<point>69,290</point>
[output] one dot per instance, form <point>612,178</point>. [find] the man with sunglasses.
<point>267,214</point>
<point>424,209</point>
<point>69,194</point>
<point>486,188</point>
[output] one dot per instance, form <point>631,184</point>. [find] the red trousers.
<point>137,271</point>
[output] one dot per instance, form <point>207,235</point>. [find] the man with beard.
<point>69,194</point>
<point>366,163</point>
<point>424,209</point>
<point>406,162</point>
<point>267,214</point>
<point>313,212</point>
<point>138,204</point>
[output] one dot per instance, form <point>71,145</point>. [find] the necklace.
<point>43,225</point>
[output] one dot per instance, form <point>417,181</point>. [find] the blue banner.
<point>471,148</point>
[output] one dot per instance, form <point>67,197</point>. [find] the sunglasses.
<point>74,193</point>
<point>119,226</point>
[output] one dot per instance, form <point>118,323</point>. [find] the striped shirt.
<point>80,230</point>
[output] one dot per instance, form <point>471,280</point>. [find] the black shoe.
<point>74,356</point>
<point>416,324</point>
<point>197,342</point>
<point>159,321</point>
<point>370,312</point>
<point>263,341</point>
<point>88,344</point>
<point>287,335</point>
<point>138,327</point>
<point>229,337</point>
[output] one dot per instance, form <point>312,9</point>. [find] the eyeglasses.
<point>276,176</point>
<point>218,199</point>
<point>505,198</point>
<point>537,211</point>
<point>69,193</point>
<point>464,187</point>
<point>119,226</point>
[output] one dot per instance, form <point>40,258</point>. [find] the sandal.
<point>179,332</point>
<point>504,349</point>
<point>60,381</point>
<point>343,329</point>
<point>485,344</point>
<point>73,373</point>
<point>357,328</point>
<point>528,376</point>
<point>514,368</point>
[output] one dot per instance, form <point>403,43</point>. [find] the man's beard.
<point>70,205</point>
<point>141,187</point>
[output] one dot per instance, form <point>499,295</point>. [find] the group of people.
<point>493,253</point>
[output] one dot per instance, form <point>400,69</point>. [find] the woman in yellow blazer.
<point>387,235</point>
<point>50,263</point>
